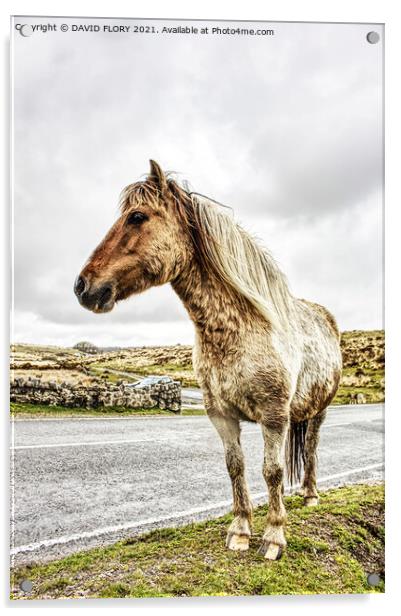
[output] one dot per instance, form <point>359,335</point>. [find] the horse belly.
<point>248,390</point>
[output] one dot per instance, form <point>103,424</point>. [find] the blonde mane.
<point>241,263</point>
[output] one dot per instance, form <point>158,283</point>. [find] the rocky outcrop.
<point>357,398</point>
<point>363,350</point>
<point>86,347</point>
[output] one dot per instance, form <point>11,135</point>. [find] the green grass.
<point>111,377</point>
<point>42,410</point>
<point>331,549</point>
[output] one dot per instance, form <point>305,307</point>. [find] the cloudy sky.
<point>287,129</point>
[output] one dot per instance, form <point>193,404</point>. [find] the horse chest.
<point>221,376</point>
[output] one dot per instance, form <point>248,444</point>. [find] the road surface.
<point>83,482</point>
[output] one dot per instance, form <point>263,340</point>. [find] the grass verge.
<point>42,410</point>
<point>373,390</point>
<point>331,549</point>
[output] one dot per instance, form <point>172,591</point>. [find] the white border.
<point>291,10</point>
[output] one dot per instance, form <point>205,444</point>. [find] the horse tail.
<point>295,450</point>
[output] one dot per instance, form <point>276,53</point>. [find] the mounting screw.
<point>373,579</point>
<point>373,37</point>
<point>26,585</point>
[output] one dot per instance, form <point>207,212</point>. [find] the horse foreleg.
<point>240,529</point>
<point>273,541</point>
<point>309,489</point>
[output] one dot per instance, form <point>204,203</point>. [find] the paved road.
<point>192,397</point>
<point>87,481</point>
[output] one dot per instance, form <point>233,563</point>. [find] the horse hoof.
<point>239,543</point>
<point>271,551</point>
<point>311,501</point>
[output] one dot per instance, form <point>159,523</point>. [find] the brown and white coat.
<point>260,354</point>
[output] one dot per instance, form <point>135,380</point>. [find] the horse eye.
<point>136,218</point>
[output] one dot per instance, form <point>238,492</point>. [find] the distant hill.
<point>363,363</point>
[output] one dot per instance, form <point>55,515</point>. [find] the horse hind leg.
<point>273,541</point>
<point>309,487</point>
<point>239,532</point>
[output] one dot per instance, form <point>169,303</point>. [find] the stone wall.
<point>37,391</point>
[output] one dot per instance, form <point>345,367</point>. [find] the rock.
<point>87,347</point>
<point>100,393</point>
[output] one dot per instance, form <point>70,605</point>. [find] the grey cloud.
<point>287,130</point>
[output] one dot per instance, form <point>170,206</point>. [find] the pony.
<point>260,354</point>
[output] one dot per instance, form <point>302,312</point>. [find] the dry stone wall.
<point>37,391</point>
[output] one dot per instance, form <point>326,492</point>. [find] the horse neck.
<point>220,316</point>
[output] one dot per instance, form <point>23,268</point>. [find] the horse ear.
<point>156,174</point>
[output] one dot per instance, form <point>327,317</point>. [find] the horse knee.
<point>274,475</point>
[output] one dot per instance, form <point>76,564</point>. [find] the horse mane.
<point>223,248</point>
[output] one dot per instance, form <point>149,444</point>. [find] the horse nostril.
<point>104,296</point>
<point>79,286</point>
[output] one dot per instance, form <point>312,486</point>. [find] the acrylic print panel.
<point>231,169</point>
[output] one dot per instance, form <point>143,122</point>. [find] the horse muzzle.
<point>98,299</point>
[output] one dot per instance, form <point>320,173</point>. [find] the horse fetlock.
<point>275,534</point>
<point>240,526</point>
